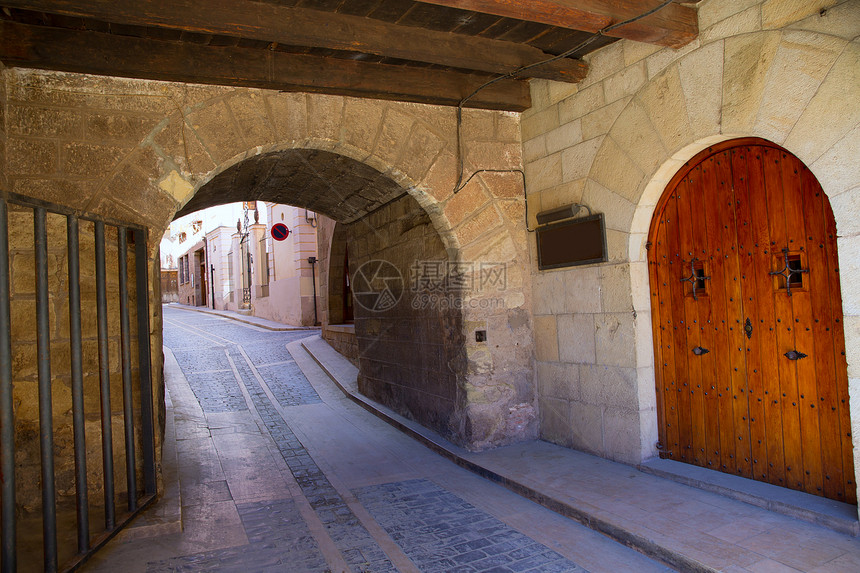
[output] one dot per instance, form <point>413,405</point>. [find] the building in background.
<point>227,259</point>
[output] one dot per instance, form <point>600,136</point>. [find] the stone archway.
<point>399,150</point>
<point>338,323</point>
<point>325,182</point>
<point>140,150</point>
<point>746,92</point>
<point>411,357</point>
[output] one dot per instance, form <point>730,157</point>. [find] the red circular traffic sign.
<point>280,231</point>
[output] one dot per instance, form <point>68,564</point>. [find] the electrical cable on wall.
<point>460,161</point>
<point>312,221</point>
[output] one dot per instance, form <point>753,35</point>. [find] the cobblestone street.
<point>278,471</point>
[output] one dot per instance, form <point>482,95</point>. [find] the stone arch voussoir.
<point>675,115</point>
<point>196,145</point>
<point>659,129</point>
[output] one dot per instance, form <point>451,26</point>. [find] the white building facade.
<point>227,261</point>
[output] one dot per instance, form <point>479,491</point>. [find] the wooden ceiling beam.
<point>313,28</point>
<point>674,26</point>
<point>98,53</point>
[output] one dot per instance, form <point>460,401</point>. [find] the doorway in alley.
<point>749,345</point>
<point>202,289</point>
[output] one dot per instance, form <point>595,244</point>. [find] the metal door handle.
<point>698,351</point>
<point>794,355</point>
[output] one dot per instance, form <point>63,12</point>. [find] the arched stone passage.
<point>140,150</point>
<point>411,357</point>
<point>394,173</point>
<point>339,187</point>
<point>375,152</point>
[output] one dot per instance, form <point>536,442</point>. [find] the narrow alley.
<point>279,471</point>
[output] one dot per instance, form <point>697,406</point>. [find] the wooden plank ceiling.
<point>429,51</point>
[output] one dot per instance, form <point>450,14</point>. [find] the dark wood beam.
<point>673,26</point>
<point>98,53</point>
<point>304,27</point>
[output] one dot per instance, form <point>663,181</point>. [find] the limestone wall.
<point>785,71</point>
<point>47,159</point>
<point>24,356</point>
<point>3,130</point>
<point>411,357</point>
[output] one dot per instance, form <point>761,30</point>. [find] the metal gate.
<point>45,258</point>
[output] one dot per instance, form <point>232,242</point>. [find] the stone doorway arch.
<point>674,113</point>
<point>338,277</point>
<point>728,220</point>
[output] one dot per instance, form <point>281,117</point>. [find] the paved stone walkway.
<point>441,532</point>
<point>277,535</point>
<point>278,471</point>
<point>693,528</point>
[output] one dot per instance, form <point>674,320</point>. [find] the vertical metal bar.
<point>74,262</point>
<point>46,422</point>
<point>128,405</point>
<point>145,357</point>
<point>104,377</point>
<point>8,530</point>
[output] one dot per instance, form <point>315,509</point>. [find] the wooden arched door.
<point>747,316</point>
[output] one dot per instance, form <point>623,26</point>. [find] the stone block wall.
<point>783,71</point>
<point>24,357</point>
<point>3,181</point>
<point>60,142</point>
<point>342,338</point>
<point>411,357</point>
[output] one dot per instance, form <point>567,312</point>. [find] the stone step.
<point>829,513</point>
